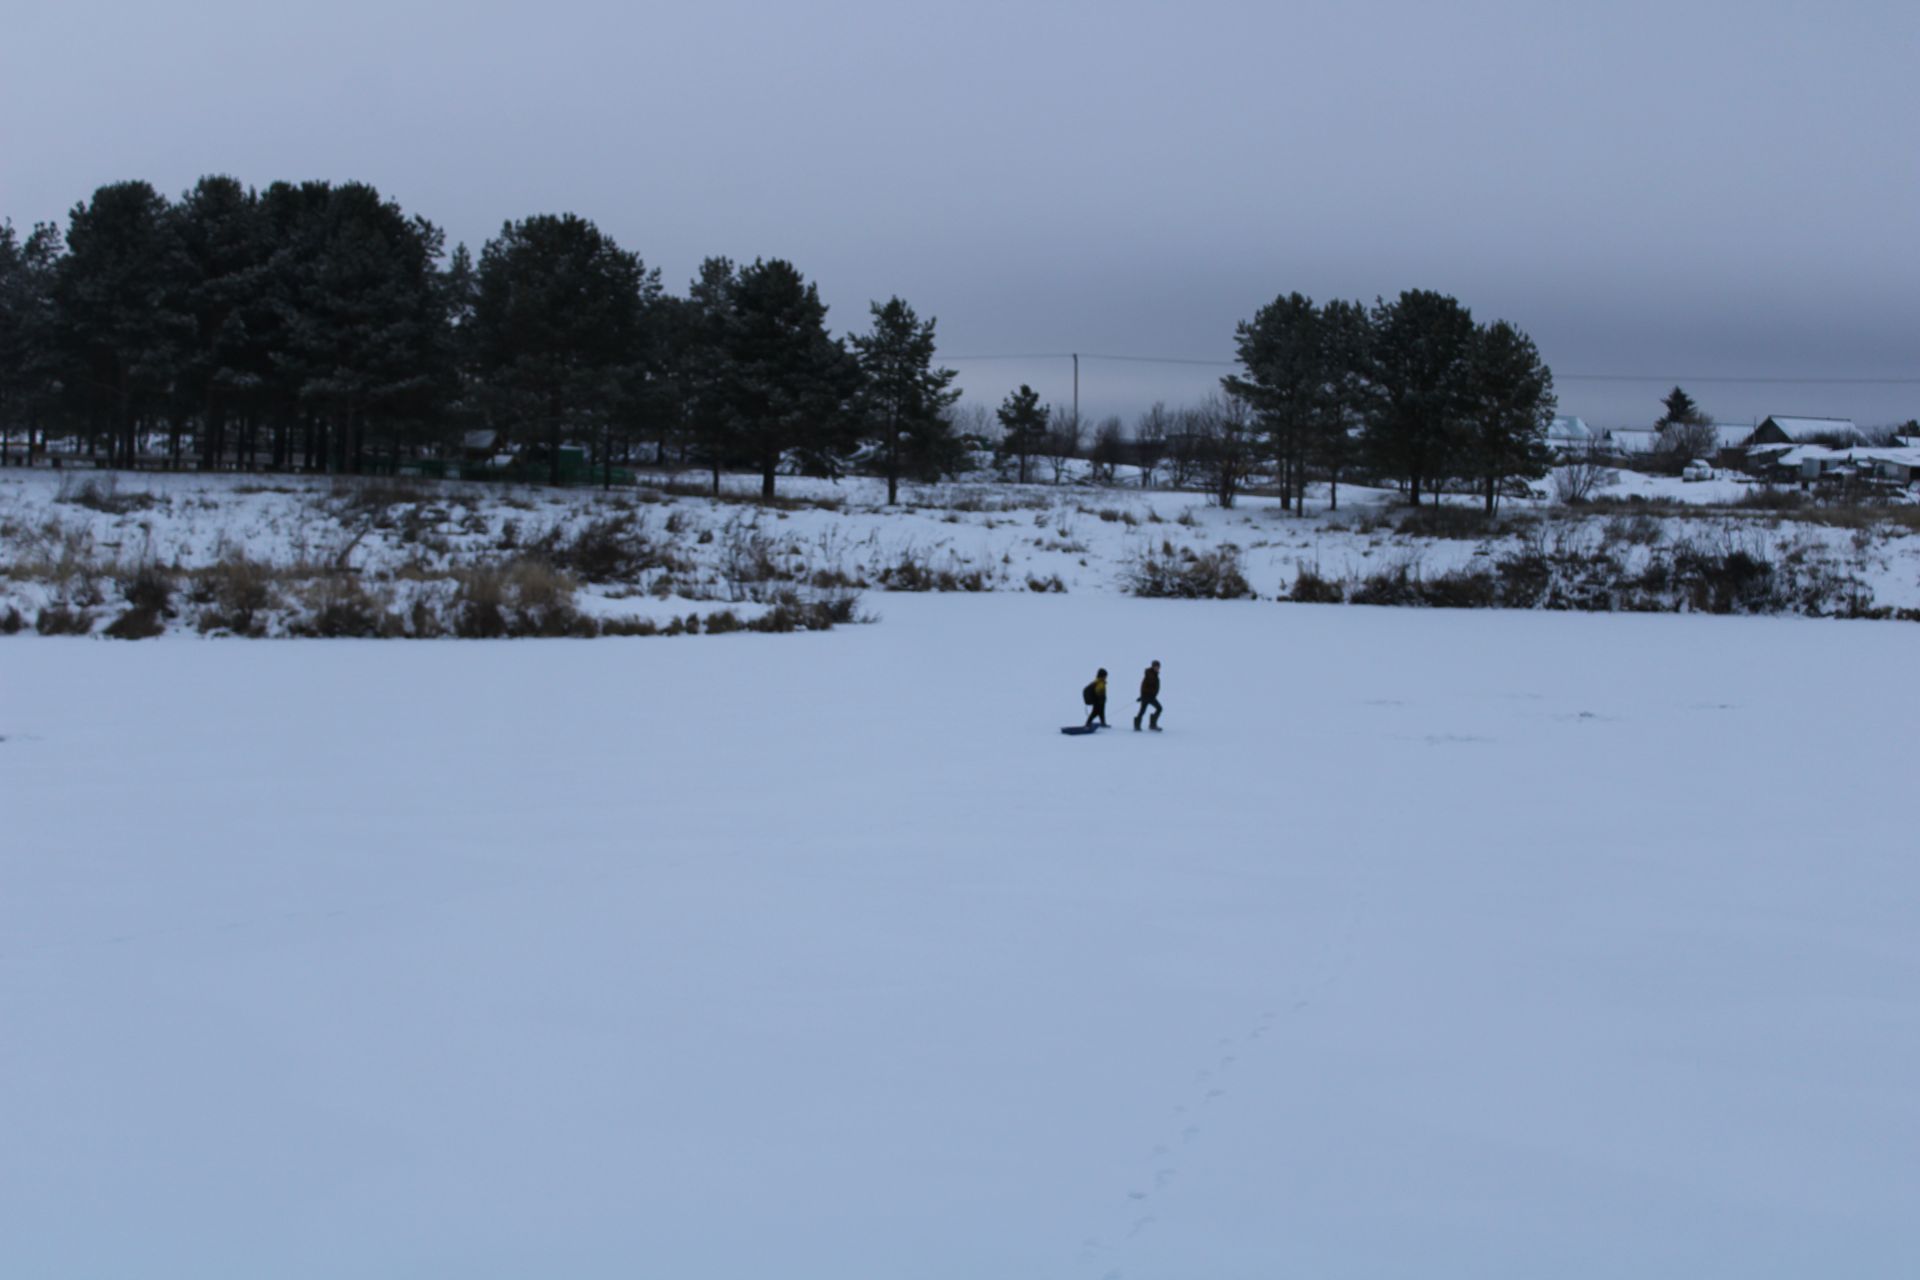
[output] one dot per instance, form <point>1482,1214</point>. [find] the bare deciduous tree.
<point>1150,441</point>
<point>1065,434</point>
<point>1109,449</point>
<point>1687,439</point>
<point>1228,440</point>
<point>1583,474</point>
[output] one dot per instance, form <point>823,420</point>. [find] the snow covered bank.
<point>293,555</point>
<point>1422,943</point>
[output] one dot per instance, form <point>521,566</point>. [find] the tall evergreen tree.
<point>367,323</point>
<point>1023,424</point>
<point>1346,363</point>
<point>459,288</point>
<point>1280,354</point>
<point>558,321</point>
<point>117,292</point>
<point>223,240</point>
<point>786,384</point>
<point>903,398</point>
<point>1422,369</point>
<point>698,357</point>
<point>1512,407</point>
<point>28,355</point>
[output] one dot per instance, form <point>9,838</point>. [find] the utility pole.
<point>1076,389</point>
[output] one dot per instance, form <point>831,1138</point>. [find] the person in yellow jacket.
<point>1095,696</point>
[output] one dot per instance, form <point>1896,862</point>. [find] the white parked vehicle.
<point>1697,470</point>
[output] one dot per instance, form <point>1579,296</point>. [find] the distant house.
<point>1783,430</point>
<point>1569,435</point>
<point>1734,436</point>
<point>1630,439</point>
<point>1895,464</point>
<point>1804,463</point>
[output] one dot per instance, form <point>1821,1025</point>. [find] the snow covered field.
<point>1423,943</point>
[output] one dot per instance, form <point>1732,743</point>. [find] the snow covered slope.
<point>1422,943</point>
<point>76,538</point>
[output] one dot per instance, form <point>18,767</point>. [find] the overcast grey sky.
<point>1677,189</point>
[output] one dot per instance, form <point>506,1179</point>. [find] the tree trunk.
<point>769,467</point>
<point>893,466</point>
<point>123,425</point>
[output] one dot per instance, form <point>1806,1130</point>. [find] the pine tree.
<point>1023,422</point>
<point>117,292</point>
<point>458,285</point>
<point>697,359</point>
<point>1680,411</point>
<point>1346,357</point>
<point>28,354</point>
<point>1686,432</point>
<point>559,326</point>
<point>223,240</point>
<point>903,398</point>
<point>1512,407</point>
<point>367,322</point>
<point>786,385</point>
<point>1280,353</point>
<point>1423,348</point>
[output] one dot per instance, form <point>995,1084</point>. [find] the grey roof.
<point>1807,428</point>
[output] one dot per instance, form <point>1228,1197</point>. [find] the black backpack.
<point>1086,695</point>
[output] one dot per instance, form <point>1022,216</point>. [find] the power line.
<point>1758,379</point>
<point>1644,377</point>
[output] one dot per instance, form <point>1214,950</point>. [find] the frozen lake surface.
<point>1421,943</point>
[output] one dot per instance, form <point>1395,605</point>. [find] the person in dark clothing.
<point>1149,697</point>
<point>1095,696</point>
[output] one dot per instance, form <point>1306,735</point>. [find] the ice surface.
<point>1421,944</point>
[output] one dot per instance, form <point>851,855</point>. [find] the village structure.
<point>1780,449</point>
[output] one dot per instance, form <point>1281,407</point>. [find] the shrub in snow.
<point>237,593</point>
<point>914,571</point>
<point>1186,574</point>
<point>525,596</point>
<point>614,549</point>
<point>149,595</point>
<point>1461,589</point>
<point>338,605</point>
<point>102,493</point>
<point>1396,584</point>
<point>62,620</point>
<point>1639,529</point>
<point>1311,587</point>
<point>1459,522</point>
